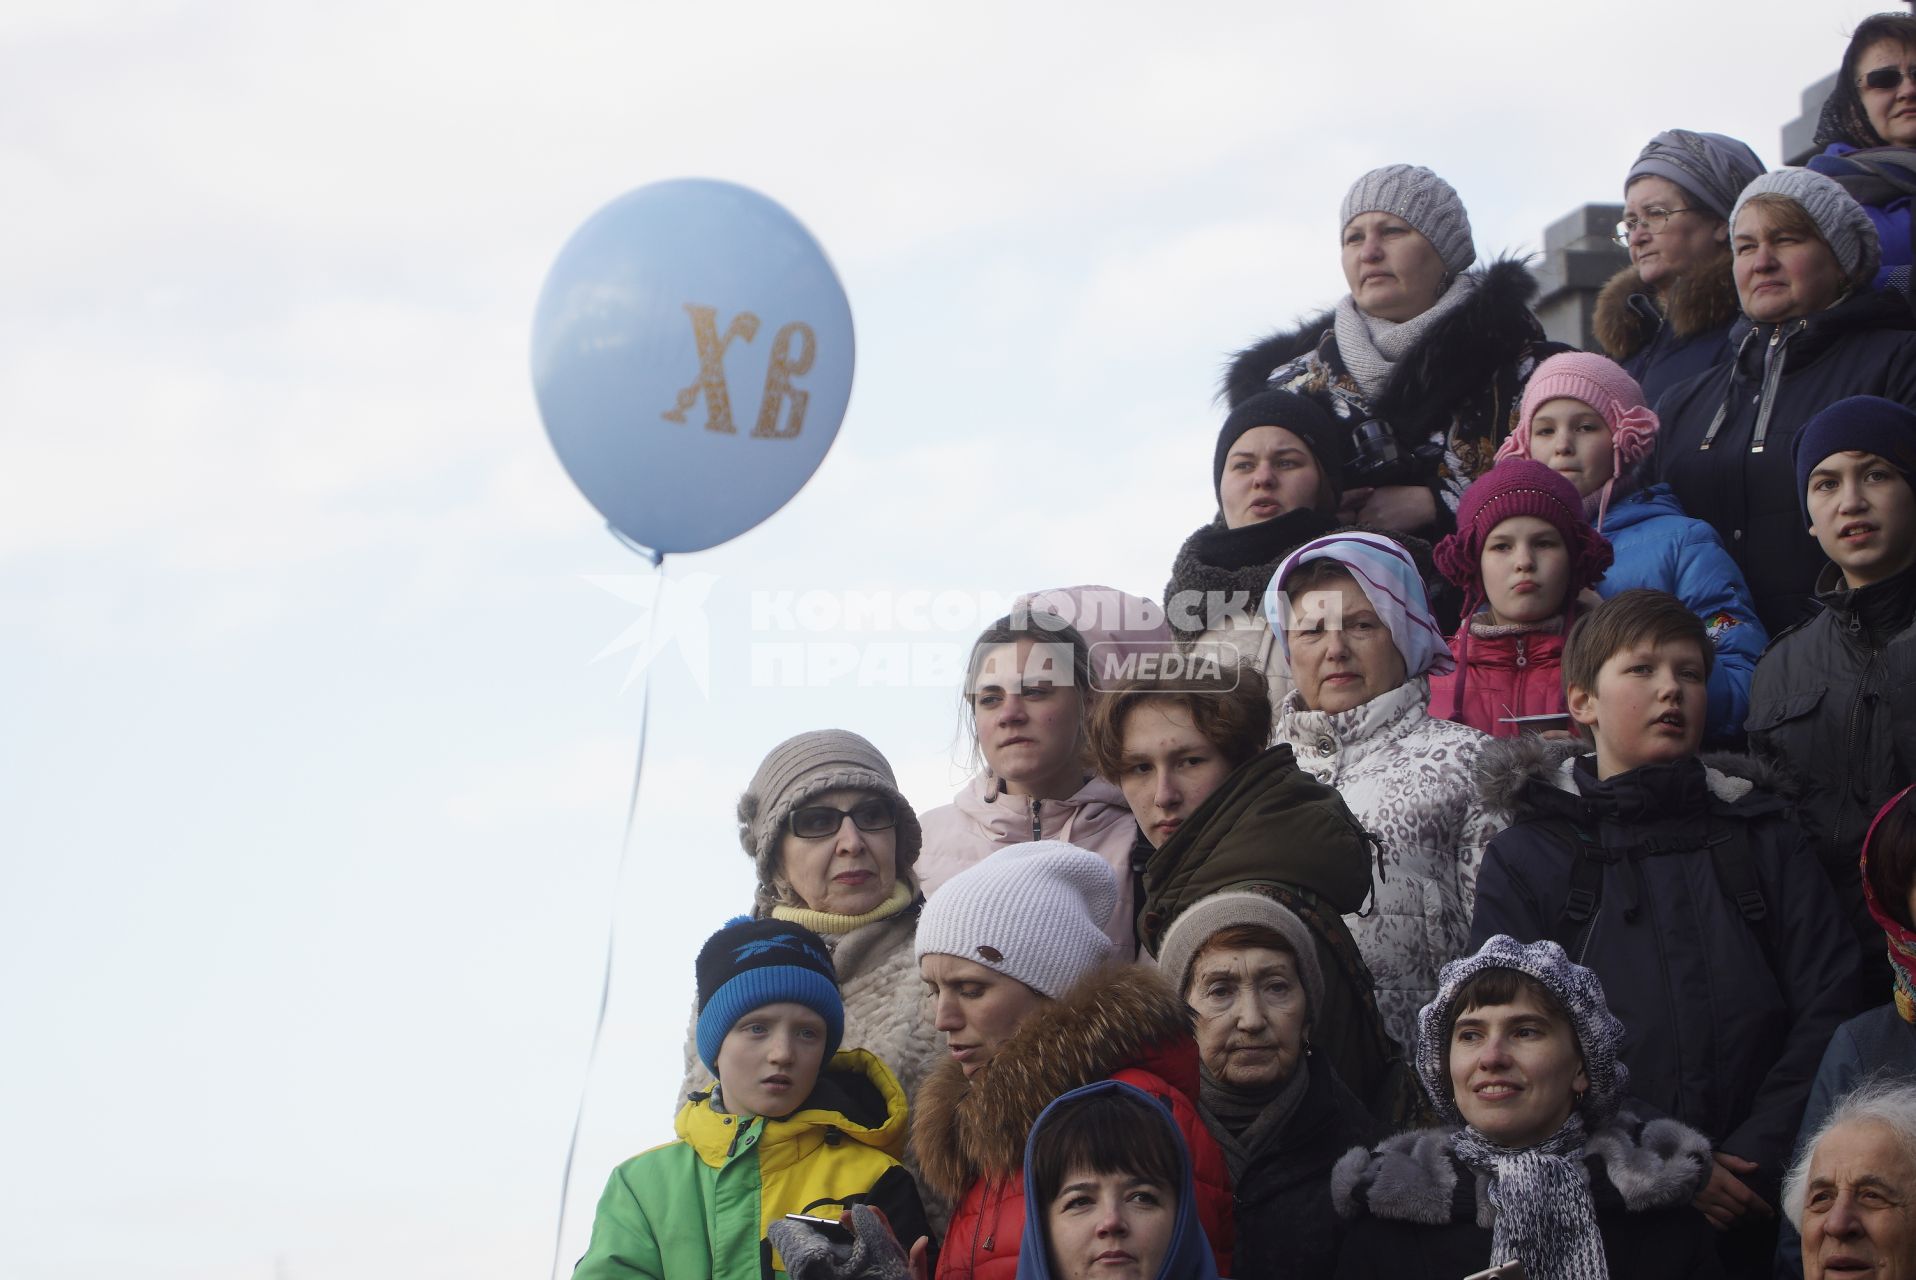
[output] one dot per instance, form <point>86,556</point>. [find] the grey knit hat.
<point>807,765</point>
<point>1845,227</point>
<point>1576,988</point>
<point>1422,199</point>
<point>1206,917</point>
<point>1710,167</point>
<point>1035,912</point>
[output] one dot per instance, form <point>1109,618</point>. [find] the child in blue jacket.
<point>1584,417</point>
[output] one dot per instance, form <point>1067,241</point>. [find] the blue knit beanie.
<point>752,963</point>
<point>1860,424</point>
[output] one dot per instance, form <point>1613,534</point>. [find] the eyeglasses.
<point>1654,219</point>
<point>1887,77</point>
<point>817,821</point>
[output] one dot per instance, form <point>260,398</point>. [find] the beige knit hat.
<point>1208,916</point>
<point>808,765</point>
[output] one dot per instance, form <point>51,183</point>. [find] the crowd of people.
<point>1511,881</point>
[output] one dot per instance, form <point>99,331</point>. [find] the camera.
<point>1380,459</point>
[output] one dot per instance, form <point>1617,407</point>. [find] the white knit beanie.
<point>1034,912</point>
<point>1846,228</point>
<point>1422,199</point>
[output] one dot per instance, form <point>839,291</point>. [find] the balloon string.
<point>612,928</point>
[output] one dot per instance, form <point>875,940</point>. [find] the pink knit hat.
<point>1603,385</point>
<point>1520,487</point>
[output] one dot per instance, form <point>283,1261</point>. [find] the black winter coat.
<point>1743,484</point>
<point>1676,333</point>
<point>1455,396</point>
<point>1833,703</point>
<point>1421,1214</point>
<point>1716,1032</point>
<point>1285,1227</point>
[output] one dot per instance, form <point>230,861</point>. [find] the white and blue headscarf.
<point>1390,581</point>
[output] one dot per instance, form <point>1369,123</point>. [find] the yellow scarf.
<point>826,923</point>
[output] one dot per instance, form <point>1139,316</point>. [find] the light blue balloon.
<point>692,359</point>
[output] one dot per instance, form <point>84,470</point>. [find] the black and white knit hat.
<point>1576,988</point>
<point>1421,198</point>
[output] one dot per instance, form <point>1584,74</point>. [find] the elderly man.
<point>1852,1191</point>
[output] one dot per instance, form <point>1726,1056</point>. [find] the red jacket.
<point>969,1135</point>
<point>1502,676</point>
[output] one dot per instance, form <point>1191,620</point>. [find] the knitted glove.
<point>874,1253</point>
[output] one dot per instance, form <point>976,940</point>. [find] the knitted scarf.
<point>1545,1216</point>
<point>1246,1123</point>
<point>826,924</point>
<point>1902,942</point>
<point>1370,347</point>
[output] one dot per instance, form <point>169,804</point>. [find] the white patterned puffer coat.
<point>1408,779</point>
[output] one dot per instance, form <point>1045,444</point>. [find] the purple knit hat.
<point>1520,487</point>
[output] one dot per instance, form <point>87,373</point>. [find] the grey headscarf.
<point>1709,166</point>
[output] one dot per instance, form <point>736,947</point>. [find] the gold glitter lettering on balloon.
<point>711,379</point>
<point>778,383</point>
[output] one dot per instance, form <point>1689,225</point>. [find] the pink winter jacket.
<point>1513,675</point>
<point>973,827</point>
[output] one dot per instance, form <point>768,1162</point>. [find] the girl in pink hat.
<point>1585,418</point>
<point>1522,552</point>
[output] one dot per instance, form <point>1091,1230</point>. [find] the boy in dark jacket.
<point>1834,699</point>
<point>1688,889</point>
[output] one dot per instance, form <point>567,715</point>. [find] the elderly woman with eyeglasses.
<point>834,841</point>
<point>1868,135</point>
<point>1667,316</point>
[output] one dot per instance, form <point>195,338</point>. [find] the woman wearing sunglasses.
<point>1667,316</point>
<point>1868,135</point>
<point>834,841</point>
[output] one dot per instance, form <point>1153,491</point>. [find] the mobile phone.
<point>827,1227</point>
<point>1511,1270</point>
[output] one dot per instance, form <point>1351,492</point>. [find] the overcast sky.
<point>310,787</point>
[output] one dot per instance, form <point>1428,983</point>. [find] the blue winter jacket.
<point>1657,546</point>
<point>1892,217</point>
<point>1188,1258</point>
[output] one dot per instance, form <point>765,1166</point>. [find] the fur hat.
<point>1577,989</point>
<point>1206,917</point>
<point>1422,199</point>
<point>1035,912</point>
<point>749,964</point>
<point>808,765</point>
<point>1842,223</point>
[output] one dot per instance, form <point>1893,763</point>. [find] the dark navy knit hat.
<point>752,963</point>
<point>1300,415</point>
<point>1860,424</point>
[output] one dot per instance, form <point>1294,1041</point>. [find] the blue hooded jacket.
<point>1188,1258</point>
<point>1660,547</point>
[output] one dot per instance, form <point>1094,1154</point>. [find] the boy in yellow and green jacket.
<point>791,1127</point>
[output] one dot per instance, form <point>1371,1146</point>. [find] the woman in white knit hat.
<point>1813,332</point>
<point>1024,988</point>
<point>1421,364</point>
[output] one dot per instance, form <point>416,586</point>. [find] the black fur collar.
<point>1457,358</point>
<point>1518,778</point>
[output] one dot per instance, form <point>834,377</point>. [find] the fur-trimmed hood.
<point>1115,1018</point>
<point>1531,777</point>
<point>1459,355</point>
<point>1417,1177</point>
<point>1703,300</point>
